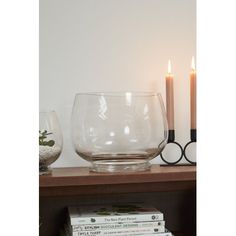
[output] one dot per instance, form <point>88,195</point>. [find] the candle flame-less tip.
<point>169,67</point>
<point>193,64</point>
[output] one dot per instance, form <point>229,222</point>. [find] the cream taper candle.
<point>193,95</point>
<point>170,98</point>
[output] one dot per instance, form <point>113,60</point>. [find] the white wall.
<point>114,45</point>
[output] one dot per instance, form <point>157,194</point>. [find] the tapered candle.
<point>170,98</point>
<point>193,95</point>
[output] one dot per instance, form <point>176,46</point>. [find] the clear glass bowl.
<point>50,140</point>
<point>119,132</point>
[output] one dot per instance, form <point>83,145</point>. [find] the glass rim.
<point>120,94</point>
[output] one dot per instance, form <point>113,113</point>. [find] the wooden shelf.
<point>80,181</point>
<point>169,188</point>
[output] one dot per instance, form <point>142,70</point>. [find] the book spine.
<point>121,232</point>
<point>157,234</point>
<point>117,219</point>
<point>76,228</point>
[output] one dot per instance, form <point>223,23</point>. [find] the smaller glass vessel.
<point>50,140</point>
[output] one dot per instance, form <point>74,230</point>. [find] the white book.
<point>121,232</point>
<point>114,214</point>
<point>166,233</point>
<point>93,227</point>
<point>160,234</point>
<point>66,233</point>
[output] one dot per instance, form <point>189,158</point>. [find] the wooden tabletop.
<point>78,180</point>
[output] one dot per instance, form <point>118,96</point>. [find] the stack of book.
<point>123,220</point>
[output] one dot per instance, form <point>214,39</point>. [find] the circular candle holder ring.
<point>184,152</point>
<point>178,160</point>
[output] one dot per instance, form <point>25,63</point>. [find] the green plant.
<point>42,136</point>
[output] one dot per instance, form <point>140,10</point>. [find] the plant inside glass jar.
<point>42,139</point>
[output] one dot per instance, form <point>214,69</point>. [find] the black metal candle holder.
<point>193,139</point>
<point>171,139</point>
